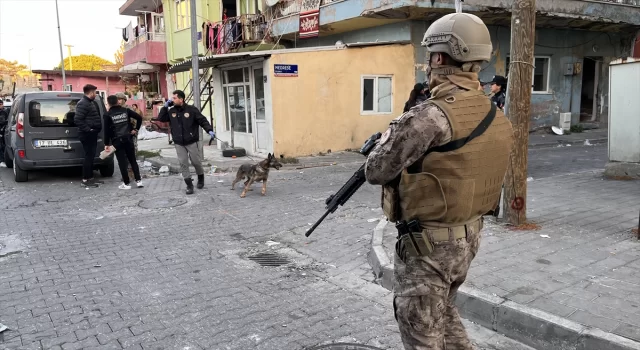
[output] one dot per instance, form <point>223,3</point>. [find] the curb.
<point>159,162</point>
<point>595,141</point>
<point>527,325</point>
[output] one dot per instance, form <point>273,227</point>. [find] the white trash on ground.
<point>145,134</point>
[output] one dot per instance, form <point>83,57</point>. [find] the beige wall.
<point>320,109</point>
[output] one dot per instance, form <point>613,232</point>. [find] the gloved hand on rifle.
<point>212,134</point>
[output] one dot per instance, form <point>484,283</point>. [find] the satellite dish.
<point>271,3</point>
<point>556,130</point>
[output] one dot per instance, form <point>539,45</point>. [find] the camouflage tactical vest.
<point>456,187</point>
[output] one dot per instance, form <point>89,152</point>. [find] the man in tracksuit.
<point>89,123</point>
<point>185,121</point>
<point>119,132</point>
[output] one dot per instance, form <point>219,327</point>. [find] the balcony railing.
<point>153,36</point>
<point>286,8</point>
<point>234,33</point>
<point>619,2</point>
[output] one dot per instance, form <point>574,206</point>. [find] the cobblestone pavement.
<point>587,270</point>
<point>154,269</point>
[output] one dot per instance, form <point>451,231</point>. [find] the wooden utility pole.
<point>518,107</point>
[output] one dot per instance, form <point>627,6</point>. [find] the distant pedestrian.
<point>122,101</point>
<point>89,123</point>
<point>416,97</point>
<point>119,132</point>
<point>499,91</point>
<point>134,107</point>
<point>185,121</point>
<point>4,118</point>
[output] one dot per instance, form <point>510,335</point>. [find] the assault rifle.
<point>350,187</point>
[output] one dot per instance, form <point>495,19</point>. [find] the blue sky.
<point>89,25</point>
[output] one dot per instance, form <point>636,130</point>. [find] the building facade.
<point>306,101</point>
<point>574,43</point>
<point>145,48</point>
<point>108,83</point>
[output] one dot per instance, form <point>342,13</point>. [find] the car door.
<point>12,139</point>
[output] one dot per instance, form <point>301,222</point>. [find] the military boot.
<point>189,183</point>
<point>200,181</point>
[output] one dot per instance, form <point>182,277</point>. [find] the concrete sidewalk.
<point>595,136</point>
<point>213,156</point>
<point>572,284</point>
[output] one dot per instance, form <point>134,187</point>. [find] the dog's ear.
<point>270,156</point>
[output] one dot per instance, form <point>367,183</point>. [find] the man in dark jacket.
<point>4,118</point>
<point>119,132</point>
<point>89,123</point>
<point>185,121</point>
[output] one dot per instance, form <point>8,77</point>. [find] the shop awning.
<point>139,67</point>
<point>216,60</point>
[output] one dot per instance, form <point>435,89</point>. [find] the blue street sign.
<point>285,70</point>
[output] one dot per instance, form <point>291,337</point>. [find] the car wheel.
<point>7,159</point>
<point>107,169</point>
<point>19,174</point>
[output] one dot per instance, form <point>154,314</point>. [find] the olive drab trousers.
<point>425,291</point>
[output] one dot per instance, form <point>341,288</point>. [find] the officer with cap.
<point>441,167</point>
<point>499,91</point>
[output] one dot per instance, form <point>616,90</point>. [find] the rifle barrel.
<point>317,223</point>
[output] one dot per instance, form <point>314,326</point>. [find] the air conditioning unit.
<point>565,121</point>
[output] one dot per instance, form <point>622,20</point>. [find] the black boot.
<point>189,183</point>
<point>200,181</point>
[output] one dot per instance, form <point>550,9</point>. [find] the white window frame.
<point>248,90</point>
<point>68,87</point>
<point>533,73</point>
<point>182,16</point>
<point>375,96</point>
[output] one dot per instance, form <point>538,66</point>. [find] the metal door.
<point>624,111</point>
<point>262,128</point>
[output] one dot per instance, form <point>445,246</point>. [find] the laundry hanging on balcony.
<point>127,32</point>
<point>310,19</point>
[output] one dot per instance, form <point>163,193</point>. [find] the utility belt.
<point>415,240</point>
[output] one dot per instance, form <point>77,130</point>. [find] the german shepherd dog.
<point>254,173</point>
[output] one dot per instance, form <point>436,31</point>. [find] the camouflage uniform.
<point>426,284</point>
<point>425,287</point>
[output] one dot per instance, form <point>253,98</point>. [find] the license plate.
<point>51,143</point>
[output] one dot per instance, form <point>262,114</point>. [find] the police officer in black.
<point>499,91</point>
<point>119,132</point>
<point>186,121</point>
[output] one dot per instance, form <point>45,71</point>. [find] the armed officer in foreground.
<point>441,166</point>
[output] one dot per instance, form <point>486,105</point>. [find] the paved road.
<point>154,269</point>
